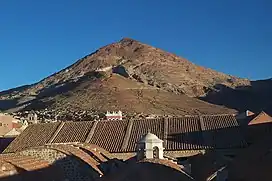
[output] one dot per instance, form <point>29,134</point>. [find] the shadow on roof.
<point>205,165</point>
<point>222,138</point>
<point>147,171</point>
<point>4,142</point>
<point>234,137</point>
<point>20,174</point>
<point>251,163</point>
<point>69,168</point>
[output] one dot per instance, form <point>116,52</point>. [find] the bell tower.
<point>150,146</point>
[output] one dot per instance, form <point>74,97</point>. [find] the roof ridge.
<point>91,132</point>
<point>259,115</point>
<point>127,134</point>
<point>56,132</point>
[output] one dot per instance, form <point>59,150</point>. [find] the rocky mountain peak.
<point>128,67</point>
<point>127,40</point>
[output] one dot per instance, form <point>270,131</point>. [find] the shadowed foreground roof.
<point>46,163</point>
<point>149,170</point>
<point>205,165</point>
<point>41,162</point>
<point>22,167</point>
<point>184,133</point>
<point>253,163</point>
<point>33,164</point>
<point>260,118</point>
<point>4,142</point>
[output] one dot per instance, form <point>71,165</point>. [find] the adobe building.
<point>9,126</point>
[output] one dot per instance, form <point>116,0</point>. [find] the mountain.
<point>127,75</point>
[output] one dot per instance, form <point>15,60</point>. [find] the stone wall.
<point>74,169</point>
<point>49,155</point>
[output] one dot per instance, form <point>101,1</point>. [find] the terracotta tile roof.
<point>261,118</point>
<point>205,165</point>
<point>34,135</point>
<point>73,132</point>
<point>95,153</point>
<point>254,119</point>
<point>110,134</point>
<point>162,162</point>
<point>149,170</point>
<point>184,134</point>
<point>26,162</point>
<point>222,132</point>
<point>141,127</point>
<point>253,163</point>
<point>22,167</point>
<point>102,151</point>
<point>80,154</point>
<point>5,167</point>
<point>213,122</point>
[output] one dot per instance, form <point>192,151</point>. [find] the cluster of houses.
<point>12,126</point>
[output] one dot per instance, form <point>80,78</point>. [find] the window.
<point>155,152</point>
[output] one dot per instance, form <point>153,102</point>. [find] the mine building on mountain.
<point>114,115</point>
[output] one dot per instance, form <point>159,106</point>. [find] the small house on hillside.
<point>32,117</point>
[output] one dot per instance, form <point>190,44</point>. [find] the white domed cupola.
<point>150,146</point>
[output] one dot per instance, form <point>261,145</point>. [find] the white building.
<point>114,115</point>
<point>150,146</point>
<point>32,117</point>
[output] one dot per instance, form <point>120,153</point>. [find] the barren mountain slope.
<point>135,63</point>
<point>119,93</point>
<point>146,64</point>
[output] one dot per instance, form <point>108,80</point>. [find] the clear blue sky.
<point>38,38</point>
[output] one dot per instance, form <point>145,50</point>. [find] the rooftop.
<point>55,160</point>
<point>149,170</point>
<point>184,133</point>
